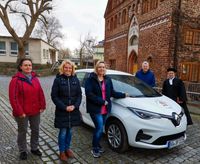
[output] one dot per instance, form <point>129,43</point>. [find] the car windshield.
<point>133,86</point>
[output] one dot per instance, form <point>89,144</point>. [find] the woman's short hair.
<point>97,65</point>
<point>61,67</point>
<point>21,62</point>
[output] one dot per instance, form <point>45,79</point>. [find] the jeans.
<point>64,139</point>
<point>99,122</point>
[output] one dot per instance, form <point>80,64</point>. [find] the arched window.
<point>124,16</point>
<point>111,24</point>
<point>115,22</point>
<point>120,18</point>
<point>133,40</point>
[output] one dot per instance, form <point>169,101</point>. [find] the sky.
<point>78,18</point>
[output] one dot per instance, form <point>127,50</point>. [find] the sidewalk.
<point>194,107</point>
<point>8,149</point>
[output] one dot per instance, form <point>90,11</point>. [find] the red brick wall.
<point>155,41</point>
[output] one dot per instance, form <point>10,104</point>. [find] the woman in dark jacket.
<point>99,90</point>
<point>66,95</point>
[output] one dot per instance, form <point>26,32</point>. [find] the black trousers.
<point>187,113</point>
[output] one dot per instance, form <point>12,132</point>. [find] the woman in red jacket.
<point>27,101</point>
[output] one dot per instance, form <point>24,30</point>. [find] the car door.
<point>82,76</point>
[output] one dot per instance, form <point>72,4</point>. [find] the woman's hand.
<point>70,108</point>
<point>42,110</point>
<point>22,116</point>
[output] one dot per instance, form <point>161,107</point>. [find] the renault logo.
<point>176,119</point>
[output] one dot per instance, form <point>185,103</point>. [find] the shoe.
<point>36,152</point>
<point>63,156</point>
<point>95,153</point>
<point>69,153</point>
<point>23,156</point>
<point>101,150</point>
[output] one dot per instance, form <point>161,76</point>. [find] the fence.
<point>192,90</point>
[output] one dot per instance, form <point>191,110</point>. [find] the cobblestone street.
<point>81,140</point>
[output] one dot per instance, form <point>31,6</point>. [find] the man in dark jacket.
<point>146,75</point>
<point>174,88</point>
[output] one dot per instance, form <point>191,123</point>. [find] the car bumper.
<point>155,133</point>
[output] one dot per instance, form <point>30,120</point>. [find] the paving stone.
<point>188,153</point>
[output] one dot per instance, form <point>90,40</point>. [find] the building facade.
<point>164,32</point>
<point>38,50</point>
<point>98,51</point>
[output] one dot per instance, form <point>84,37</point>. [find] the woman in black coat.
<point>174,88</point>
<point>66,95</point>
<point>99,90</point>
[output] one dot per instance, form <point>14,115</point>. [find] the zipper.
<point>69,100</point>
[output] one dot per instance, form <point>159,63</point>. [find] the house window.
<point>153,4</point>
<point>197,38</point>
<point>112,64</point>
<point>111,24</point>
<point>134,40</point>
<point>149,5</point>
<point>145,5</point>
<point>189,37</point>
<point>13,48</point>
<point>27,49</point>
<point>192,37</point>
<point>124,16</point>
<point>2,48</point>
<point>44,54</point>
<point>115,22</point>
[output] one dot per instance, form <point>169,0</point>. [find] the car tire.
<point>116,136</point>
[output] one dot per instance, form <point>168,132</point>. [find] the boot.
<point>63,156</point>
<point>69,153</point>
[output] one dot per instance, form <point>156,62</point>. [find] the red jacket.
<point>26,96</point>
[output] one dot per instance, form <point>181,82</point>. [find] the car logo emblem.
<point>176,119</point>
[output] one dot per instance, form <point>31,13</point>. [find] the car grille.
<point>163,140</point>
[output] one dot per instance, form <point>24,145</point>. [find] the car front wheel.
<point>116,136</point>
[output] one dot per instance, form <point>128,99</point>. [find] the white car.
<point>146,119</point>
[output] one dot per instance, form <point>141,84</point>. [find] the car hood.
<point>161,105</point>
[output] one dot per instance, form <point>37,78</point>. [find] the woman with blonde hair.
<point>66,95</point>
<point>99,89</point>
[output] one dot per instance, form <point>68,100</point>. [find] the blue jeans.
<point>64,139</point>
<point>99,122</point>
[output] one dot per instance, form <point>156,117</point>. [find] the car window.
<point>85,78</point>
<point>133,86</point>
<point>80,76</point>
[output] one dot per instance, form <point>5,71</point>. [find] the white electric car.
<point>146,119</point>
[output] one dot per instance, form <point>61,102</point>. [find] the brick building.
<point>164,32</point>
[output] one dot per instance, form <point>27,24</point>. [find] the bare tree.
<point>50,31</point>
<point>86,50</point>
<point>30,11</point>
<point>64,53</point>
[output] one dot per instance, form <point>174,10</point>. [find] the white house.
<point>37,49</point>
<point>98,51</point>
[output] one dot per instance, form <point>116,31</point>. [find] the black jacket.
<point>177,90</point>
<point>94,99</point>
<point>66,91</point>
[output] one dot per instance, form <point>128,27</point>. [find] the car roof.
<point>108,71</point>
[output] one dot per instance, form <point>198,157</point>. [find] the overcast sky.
<point>78,18</point>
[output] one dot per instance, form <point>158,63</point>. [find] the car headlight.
<point>144,114</point>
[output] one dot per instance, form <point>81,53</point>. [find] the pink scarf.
<point>103,89</point>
